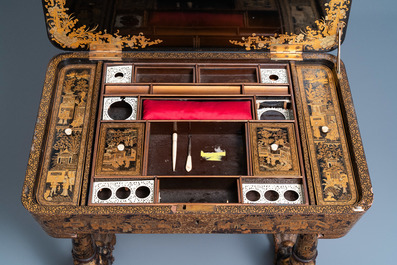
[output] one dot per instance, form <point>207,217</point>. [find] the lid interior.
<point>196,24</point>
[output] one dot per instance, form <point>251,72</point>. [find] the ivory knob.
<point>324,129</point>
<point>274,147</point>
<point>120,147</point>
<point>68,131</point>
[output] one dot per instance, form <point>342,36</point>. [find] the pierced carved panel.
<point>274,149</point>
<point>274,76</point>
<point>272,193</point>
<point>332,169</point>
<point>138,191</point>
<point>126,112</point>
<point>119,74</point>
<point>120,149</point>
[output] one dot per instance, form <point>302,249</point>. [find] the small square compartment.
<point>207,139</point>
<point>119,108</point>
<point>164,75</point>
<point>274,76</point>
<point>119,74</point>
<point>198,190</point>
<point>228,75</point>
<point>274,108</point>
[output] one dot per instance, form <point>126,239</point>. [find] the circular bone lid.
<point>274,147</point>
<point>120,147</point>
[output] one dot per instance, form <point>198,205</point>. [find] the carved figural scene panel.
<point>63,169</point>
<point>333,175</point>
<point>120,149</point>
<point>274,149</point>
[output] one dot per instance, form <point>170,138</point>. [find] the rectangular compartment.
<point>206,139</point>
<point>164,75</point>
<point>196,109</point>
<point>127,89</point>
<point>123,191</point>
<point>228,75</point>
<point>198,190</point>
<point>268,90</point>
<point>273,191</point>
<point>196,89</point>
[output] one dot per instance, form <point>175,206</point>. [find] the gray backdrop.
<point>369,53</point>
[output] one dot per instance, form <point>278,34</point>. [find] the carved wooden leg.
<point>84,251</point>
<point>93,249</point>
<point>283,244</point>
<point>305,250</point>
<point>105,245</point>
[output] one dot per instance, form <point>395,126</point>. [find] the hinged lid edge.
<point>64,32</point>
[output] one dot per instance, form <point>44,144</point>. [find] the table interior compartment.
<point>206,137</point>
<point>228,75</point>
<point>198,190</point>
<point>164,75</point>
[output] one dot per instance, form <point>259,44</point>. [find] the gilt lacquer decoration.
<point>63,31</point>
<point>324,37</point>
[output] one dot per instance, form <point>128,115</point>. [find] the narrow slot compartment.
<point>228,75</point>
<point>268,90</point>
<point>127,90</point>
<point>196,89</point>
<point>217,148</point>
<point>198,190</point>
<point>164,75</point>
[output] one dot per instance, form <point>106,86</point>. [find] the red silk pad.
<point>196,110</point>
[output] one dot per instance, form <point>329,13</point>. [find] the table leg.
<point>305,250</point>
<point>283,244</point>
<point>105,245</point>
<point>84,251</point>
<point>93,249</point>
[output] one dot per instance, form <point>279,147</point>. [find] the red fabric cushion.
<point>196,110</point>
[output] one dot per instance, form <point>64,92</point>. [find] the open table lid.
<point>196,24</point>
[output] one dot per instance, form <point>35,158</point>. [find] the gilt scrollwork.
<point>63,31</point>
<point>323,37</point>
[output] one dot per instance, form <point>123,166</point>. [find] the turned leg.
<point>93,249</point>
<point>84,251</point>
<point>305,250</point>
